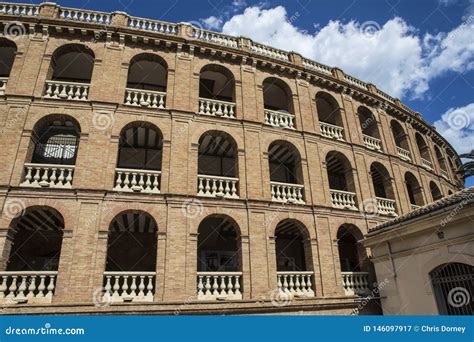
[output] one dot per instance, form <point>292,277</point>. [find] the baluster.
<point>279,284</point>
<point>141,182</point>
<point>208,285</point>
<point>52,179</point>
<point>108,288</point>
<point>230,286</point>
<point>116,288</point>
<point>223,286</point>
<point>118,182</point>
<point>215,286</point>
<point>200,186</point>
<point>237,286</point>
<point>200,286</point>
<point>12,288</point>
<point>292,284</point>
<point>133,287</point>
<point>125,286</point>
<point>41,287</point>
<point>22,287</point>
<point>3,286</point>
<point>50,287</point>
<point>161,103</point>
<point>309,286</point>
<point>68,178</point>
<point>44,178</point>
<point>303,285</point>
<point>234,189</point>
<point>149,288</point>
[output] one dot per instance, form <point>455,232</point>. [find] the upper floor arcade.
<point>74,69</point>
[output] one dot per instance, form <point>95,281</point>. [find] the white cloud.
<point>457,126</point>
<point>212,23</point>
<point>393,56</point>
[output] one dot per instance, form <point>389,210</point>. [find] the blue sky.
<point>420,51</point>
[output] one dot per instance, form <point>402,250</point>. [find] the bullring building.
<point>155,167</point>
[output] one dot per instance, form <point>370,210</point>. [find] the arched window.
<point>7,57</point>
<point>341,181</point>
<point>382,183</point>
<point>329,115</point>
<point>217,165</point>
<point>424,152</point>
<point>453,288</point>
<point>370,130</point>
<point>139,158</point>
<point>36,238</point>
<point>278,103</point>
<point>219,259</point>
<point>435,191</point>
<point>70,73</point>
<point>146,81</point>
<point>415,193</point>
<point>53,151</point>
<point>286,176</point>
<point>130,269</point>
<point>217,91</point>
<point>441,162</point>
<point>353,259</point>
<point>293,258</point>
<point>401,140</point>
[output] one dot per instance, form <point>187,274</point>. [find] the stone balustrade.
<point>426,164</point>
<point>331,131</point>
<point>295,283</point>
<point>414,207</point>
<point>279,119</point>
<point>18,287</point>
<point>48,175</point>
<point>355,283</point>
<point>287,193</point>
<point>214,37</point>
<point>372,143</point>
<point>216,108</point>
<point>269,51</point>
<point>66,90</point>
<point>445,174</point>
<point>355,82</point>
<point>219,285</point>
<point>130,180</point>
<point>145,98</point>
<point>22,10</point>
<point>217,186</point>
<point>343,199</point>
<point>85,16</point>
<point>155,26</point>
<point>386,206</point>
<point>315,66</point>
<point>129,287</point>
<point>3,85</point>
<point>403,154</point>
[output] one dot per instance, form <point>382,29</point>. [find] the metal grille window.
<point>453,288</point>
<point>58,149</point>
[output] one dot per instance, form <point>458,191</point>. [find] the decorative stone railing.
<point>85,16</point>
<point>214,37</point>
<point>386,206</point>
<point>343,199</point>
<point>403,154</point>
<point>66,90</point>
<point>219,285</point>
<point>268,51</point>
<point>3,85</point>
<point>145,98</point>
<point>445,174</point>
<point>217,186</point>
<point>385,96</point>
<point>355,283</point>
<point>155,26</point>
<point>18,287</point>
<point>354,81</point>
<point>130,180</point>
<point>216,108</point>
<point>372,143</point>
<point>315,66</point>
<point>26,10</point>
<point>48,175</point>
<point>331,131</point>
<point>414,207</point>
<point>426,164</point>
<point>279,119</point>
<point>129,286</point>
<point>295,283</point>
<point>287,193</point>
